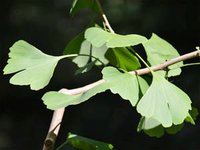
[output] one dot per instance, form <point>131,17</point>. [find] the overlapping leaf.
<point>87,49</point>
<point>158,51</point>
<point>121,58</point>
<point>55,100</point>
<point>99,37</point>
<point>124,84</point>
<point>83,143</point>
<point>154,129</point>
<point>32,67</point>
<point>164,102</point>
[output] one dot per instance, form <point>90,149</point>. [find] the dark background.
<point>24,119</point>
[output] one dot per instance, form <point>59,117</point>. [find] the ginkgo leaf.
<point>98,37</point>
<point>81,4</point>
<point>154,129</point>
<point>147,123</point>
<point>158,51</point>
<point>164,102</point>
<point>86,50</point>
<point>55,100</point>
<point>83,143</point>
<point>124,84</point>
<point>122,58</point>
<point>32,67</point>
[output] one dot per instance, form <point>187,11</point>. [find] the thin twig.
<point>138,72</point>
<point>104,18</point>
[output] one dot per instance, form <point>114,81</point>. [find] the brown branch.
<point>53,129</point>
<point>138,72</point>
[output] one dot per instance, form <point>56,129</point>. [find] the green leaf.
<point>158,51</point>
<point>147,123</point>
<point>74,46</point>
<point>192,117</point>
<point>87,49</point>
<point>155,132</point>
<point>83,143</point>
<point>122,58</point>
<point>77,5</point>
<point>98,37</point>
<point>164,102</point>
<point>55,100</point>
<point>153,128</point>
<point>124,84</point>
<point>32,67</point>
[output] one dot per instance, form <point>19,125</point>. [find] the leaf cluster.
<point>162,105</point>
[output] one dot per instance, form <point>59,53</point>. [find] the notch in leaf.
<point>32,67</point>
<point>164,102</point>
<point>158,51</point>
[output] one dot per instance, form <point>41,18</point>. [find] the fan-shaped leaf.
<point>55,100</point>
<point>99,37</point>
<point>164,102</point>
<point>32,67</point>
<point>124,84</point>
<point>158,51</point>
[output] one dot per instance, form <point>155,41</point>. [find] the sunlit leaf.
<point>83,143</point>
<point>77,5</point>
<point>147,123</point>
<point>55,100</point>
<point>122,58</point>
<point>164,102</point>
<point>124,84</point>
<point>158,51</point>
<point>98,37</point>
<point>32,67</point>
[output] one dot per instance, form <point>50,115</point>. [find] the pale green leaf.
<point>77,5</point>
<point>32,67</point>
<point>98,37</point>
<point>147,123</point>
<point>87,49</point>
<point>164,102</point>
<point>122,58</point>
<point>83,143</point>
<point>158,51</point>
<point>124,84</point>
<point>55,100</point>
